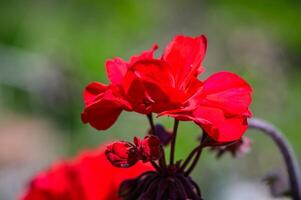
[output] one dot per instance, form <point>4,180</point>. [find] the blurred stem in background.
<point>287,152</point>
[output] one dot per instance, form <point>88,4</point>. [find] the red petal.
<point>92,91</point>
<point>154,71</point>
<point>185,55</point>
<point>145,55</point>
<point>231,129</point>
<point>228,92</point>
<point>102,113</point>
<point>215,123</point>
<point>219,127</point>
<point>150,87</point>
<point>116,69</point>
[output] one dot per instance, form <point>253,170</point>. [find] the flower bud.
<point>122,154</point>
<point>149,148</point>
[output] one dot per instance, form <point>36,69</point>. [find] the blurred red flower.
<point>170,86</point>
<point>89,177</point>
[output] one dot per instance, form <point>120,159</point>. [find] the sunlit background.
<point>51,49</point>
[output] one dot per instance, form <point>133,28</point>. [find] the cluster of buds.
<point>125,154</point>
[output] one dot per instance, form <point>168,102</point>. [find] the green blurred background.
<point>51,49</point>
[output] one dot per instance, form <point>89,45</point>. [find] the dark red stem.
<point>190,156</point>
<point>198,155</point>
<point>162,160</point>
<point>151,123</point>
<point>173,141</point>
<point>156,166</point>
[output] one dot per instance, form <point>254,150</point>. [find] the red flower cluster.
<point>125,154</point>
<point>170,86</point>
<point>89,177</point>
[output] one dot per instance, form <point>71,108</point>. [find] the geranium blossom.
<point>170,86</point>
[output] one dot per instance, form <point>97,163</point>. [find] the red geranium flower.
<point>219,104</point>
<point>170,86</point>
<point>89,177</point>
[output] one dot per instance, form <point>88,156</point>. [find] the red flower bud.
<point>149,148</point>
<point>122,154</point>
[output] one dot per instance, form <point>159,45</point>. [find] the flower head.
<point>170,86</point>
<point>218,104</point>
